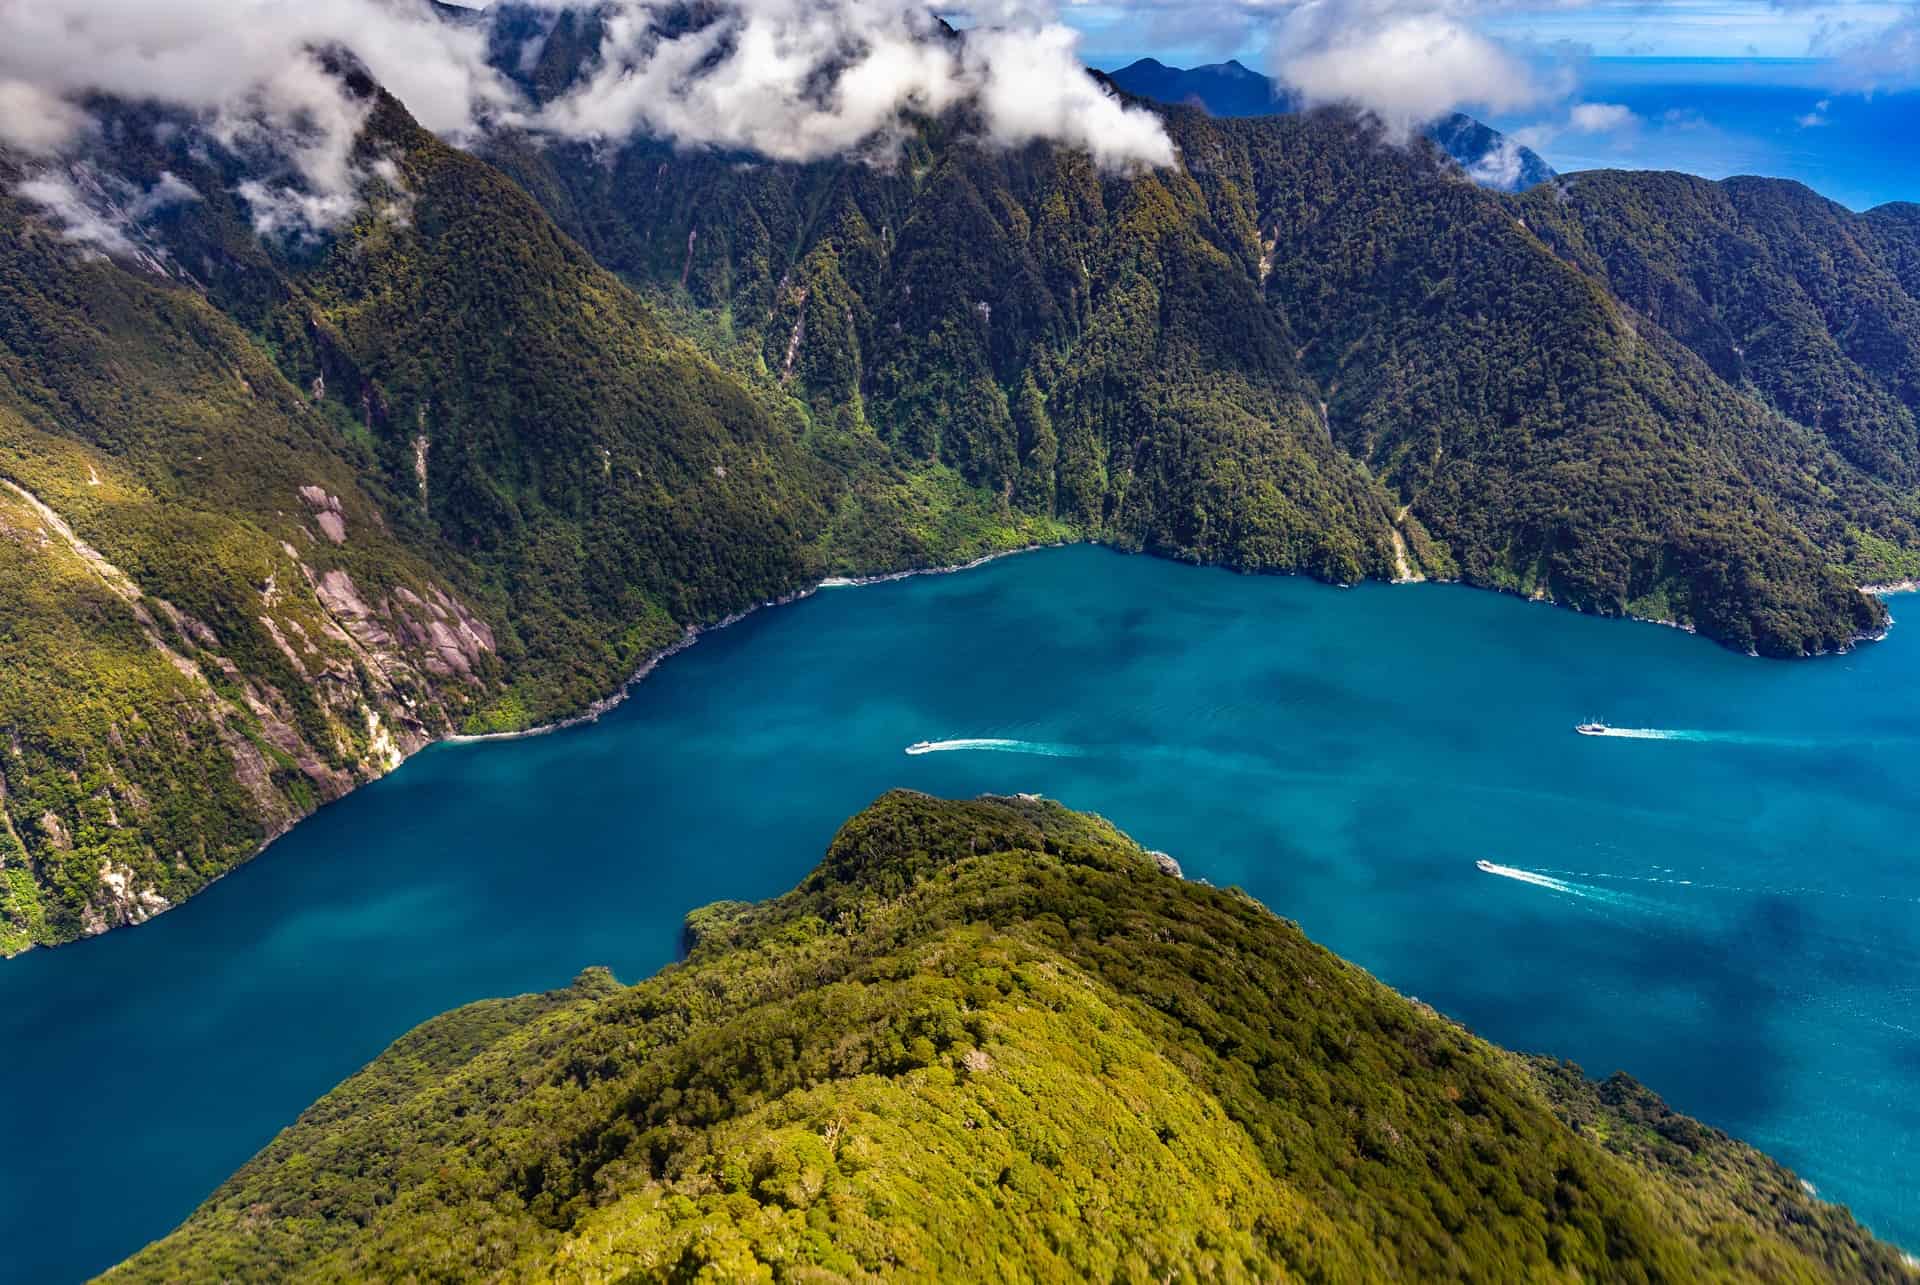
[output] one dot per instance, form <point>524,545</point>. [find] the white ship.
<point>1593,729</point>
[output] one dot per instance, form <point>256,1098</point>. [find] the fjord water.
<point>1731,912</point>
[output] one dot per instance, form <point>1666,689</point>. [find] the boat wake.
<point>993,745</point>
<point>1548,882</point>
<point>1689,734</point>
<point>1739,890</point>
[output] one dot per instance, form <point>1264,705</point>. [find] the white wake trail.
<point>1698,736</point>
<point>1741,890</point>
<point>1548,882</point>
<point>994,745</point>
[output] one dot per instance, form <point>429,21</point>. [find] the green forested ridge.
<point>184,664</point>
<point>1774,286</point>
<point>532,484</point>
<point>464,463</point>
<point>992,1040</point>
<point>1307,348</point>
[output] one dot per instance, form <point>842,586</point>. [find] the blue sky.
<point>1197,30</point>
<point>1825,93</point>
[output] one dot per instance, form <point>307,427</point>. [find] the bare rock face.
<point>387,667</point>
<point>124,903</point>
<point>327,513</point>
<point>1168,866</point>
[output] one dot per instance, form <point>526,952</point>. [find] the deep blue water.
<point>1735,917</point>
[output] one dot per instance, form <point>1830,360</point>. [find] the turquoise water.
<point>1734,916</point>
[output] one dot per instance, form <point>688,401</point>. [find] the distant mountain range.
<point>1230,88</point>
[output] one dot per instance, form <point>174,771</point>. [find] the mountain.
<point>1220,88</point>
<point>1307,348</point>
<point>280,510</point>
<point>996,1039</point>
<point>274,514</point>
<point>1779,290</point>
<point>1487,156</point>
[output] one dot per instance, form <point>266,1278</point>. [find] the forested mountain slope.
<point>275,513</point>
<point>995,1039</point>
<point>1305,348</point>
<point>1775,287</point>
<point>190,658</point>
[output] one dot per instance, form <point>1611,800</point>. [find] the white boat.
<point>1486,867</point>
<point>920,747</point>
<point>1593,729</point>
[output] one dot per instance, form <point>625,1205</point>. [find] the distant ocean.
<point>1721,117</point>
<point>1715,117</point>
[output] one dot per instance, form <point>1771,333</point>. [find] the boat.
<point>1593,729</point>
<point>1486,867</point>
<point>920,747</point>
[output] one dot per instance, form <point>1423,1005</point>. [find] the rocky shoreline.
<point>693,633</point>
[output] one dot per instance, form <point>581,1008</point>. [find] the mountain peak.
<point>1231,88</point>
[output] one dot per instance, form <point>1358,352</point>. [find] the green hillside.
<point>274,514</point>
<point>1307,349</point>
<point>995,1040</point>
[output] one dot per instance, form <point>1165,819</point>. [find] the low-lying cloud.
<point>800,80</point>
<point>788,79</point>
<point>1407,61</point>
<point>1886,59</point>
<point>100,212</point>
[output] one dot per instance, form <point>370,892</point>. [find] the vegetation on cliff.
<point>993,1039</point>
<point>275,513</point>
<point>1306,348</point>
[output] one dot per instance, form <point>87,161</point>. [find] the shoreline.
<point>591,714</point>
<point>693,633</point>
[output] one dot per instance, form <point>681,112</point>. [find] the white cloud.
<point>1589,119</point>
<point>249,70</point>
<point>36,121</point>
<point>100,212</point>
<point>1501,167</point>
<point>1883,58</point>
<point>1601,118</point>
<point>801,80</point>
<point>791,79</point>
<point>1408,61</point>
<point>1075,109</point>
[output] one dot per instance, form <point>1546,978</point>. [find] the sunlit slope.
<point>993,1039</point>
<point>189,659</point>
